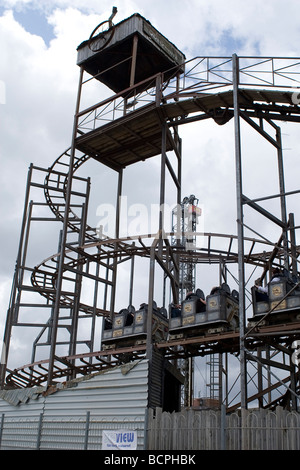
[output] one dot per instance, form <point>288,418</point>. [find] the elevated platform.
<point>108,56</point>
<point>137,136</point>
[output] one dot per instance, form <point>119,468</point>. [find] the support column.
<point>78,285</point>
<point>282,193</point>
<point>150,302</point>
<point>293,242</point>
<point>11,312</point>
<point>64,237</point>
<point>162,187</point>
<point>133,61</point>
<point>240,229</point>
<point>117,234</point>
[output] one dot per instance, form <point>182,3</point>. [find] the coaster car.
<point>217,313</point>
<point>281,302</point>
<point>129,327</point>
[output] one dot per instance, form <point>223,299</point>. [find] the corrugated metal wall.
<point>120,392</point>
<point>157,371</point>
<point>74,416</point>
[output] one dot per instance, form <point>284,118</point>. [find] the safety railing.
<point>198,75</point>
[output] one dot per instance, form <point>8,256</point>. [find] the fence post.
<point>39,432</point>
<point>146,427</point>
<point>244,432</point>
<point>1,428</point>
<point>280,444</point>
<point>223,427</point>
<point>87,428</point>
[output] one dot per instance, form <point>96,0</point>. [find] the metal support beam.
<point>133,61</point>
<point>14,292</point>
<point>64,236</point>
<point>282,191</point>
<point>259,129</point>
<point>263,211</point>
<point>293,244</point>
<point>117,234</point>
<point>240,229</point>
<point>78,284</point>
<point>162,187</point>
<point>150,302</point>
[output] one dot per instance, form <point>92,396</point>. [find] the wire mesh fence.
<point>78,433</point>
<point>186,430</point>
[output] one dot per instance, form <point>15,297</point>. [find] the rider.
<point>263,290</point>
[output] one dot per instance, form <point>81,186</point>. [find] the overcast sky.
<point>38,86</point>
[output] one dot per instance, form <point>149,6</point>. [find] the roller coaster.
<point>139,121</point>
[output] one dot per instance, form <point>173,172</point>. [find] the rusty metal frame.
<point>200,74</point>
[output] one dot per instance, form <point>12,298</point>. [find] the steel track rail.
<point>36,374</point>
<point>45,274</point>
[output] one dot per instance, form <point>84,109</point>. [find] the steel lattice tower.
<point>154,91</point>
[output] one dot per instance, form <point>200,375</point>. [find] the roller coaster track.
<point>44,275</point>
<point>57,178</point>
<point>36,374</point>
